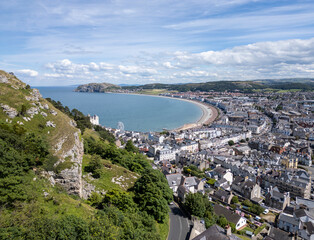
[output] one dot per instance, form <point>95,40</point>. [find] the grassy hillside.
<point>243,86</point>
<point>15,94</point>
<point>128,200</point>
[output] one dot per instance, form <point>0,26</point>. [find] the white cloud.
<point>137,70</point>
<point>28,72</point>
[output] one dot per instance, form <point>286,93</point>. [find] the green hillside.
<point>242,86</point>
<point>57,183</point>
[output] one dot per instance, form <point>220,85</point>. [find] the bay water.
<point>137,112</point>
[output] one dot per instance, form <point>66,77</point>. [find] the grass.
<point>243,237</point>
<point>154,91</point>
<point>111,171</point>
<point>16,98</point>
<point>56,203</point>
<point>163,228</point>
<point>259,229</point>
<point>248,229</point>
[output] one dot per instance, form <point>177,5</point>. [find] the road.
<point>179,224</point>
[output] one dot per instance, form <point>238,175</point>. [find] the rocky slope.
<point>21,105</point>
<point>97,87</point>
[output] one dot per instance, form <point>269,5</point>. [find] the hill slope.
<point>20,105</point>
<point>97,87</point>
<point>41,183</point>
<point>243,86</point>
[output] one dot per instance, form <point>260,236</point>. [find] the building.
<point>217,233</point>
<point>239,222</point>
<point>94,119</point>
<point>275,199</point>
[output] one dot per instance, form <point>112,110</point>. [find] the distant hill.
<point>97,87</point>
<point>243,86</point>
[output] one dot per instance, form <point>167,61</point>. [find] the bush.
<point>235,199</point>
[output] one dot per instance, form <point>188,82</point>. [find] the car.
<point>257,218</point>
<point>266,211</point>
<point>171,203</point>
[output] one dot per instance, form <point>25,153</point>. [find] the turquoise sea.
<point>137,112</point>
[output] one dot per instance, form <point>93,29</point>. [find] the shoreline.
<point>209,113</point>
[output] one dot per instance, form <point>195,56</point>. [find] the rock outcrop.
<point>71,178</point>
<point>11,112</point>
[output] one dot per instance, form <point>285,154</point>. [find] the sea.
<point>140,113</point>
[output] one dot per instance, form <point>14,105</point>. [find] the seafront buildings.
<point>259,148</point>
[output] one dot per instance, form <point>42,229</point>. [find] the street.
<point>179,224</point>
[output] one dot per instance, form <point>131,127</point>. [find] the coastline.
<point>209,113</point>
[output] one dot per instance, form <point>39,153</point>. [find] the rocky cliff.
<point>21,105</point>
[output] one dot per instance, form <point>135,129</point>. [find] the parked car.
<point>257,218</point>
<point>266,211</point>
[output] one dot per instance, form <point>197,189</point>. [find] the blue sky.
<point>64,42</point>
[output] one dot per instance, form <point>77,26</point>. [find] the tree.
<point>235,199</point>
<point>231,142</point>
<point>121,199</point>
<point>94,166</point>
<point>130,147</point>
<point>195,204</point>
<point>222,221</point>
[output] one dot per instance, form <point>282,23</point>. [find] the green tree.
<point>129,146</point>
<point>235,199</point>
<point>231,142</point>
<point>222,221</point>
<point>195,204</point>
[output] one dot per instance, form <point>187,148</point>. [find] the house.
<point>174,181</point>
<point>222,183</point>
<point>306,231</point>
<point>247,188</point>
<point>276,233</point>
<point>217,233</point>
<point>275,199</point>
<point>220,172</point>
<point>240,222</point>
<point>288,223</point>
<point>223,196</point>
<point>189,185</point>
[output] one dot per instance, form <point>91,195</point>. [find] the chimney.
<point>228,230</point>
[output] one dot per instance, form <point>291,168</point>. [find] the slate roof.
<point>215,233</point>
<point>174,179</point>
<point>276,233</point>
<point>229,215</point>
<point>288,219</point>
<point>309,227</point>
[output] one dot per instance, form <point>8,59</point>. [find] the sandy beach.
<point>209,114</point>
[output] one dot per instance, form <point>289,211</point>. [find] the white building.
<point>94,119</point>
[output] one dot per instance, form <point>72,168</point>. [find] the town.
<point>252,164</point>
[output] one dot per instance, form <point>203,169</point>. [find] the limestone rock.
<point>53,112</point>
<point>11,112</point>
<point>32,111</point>
<point>50,124</point>
<point>3,79</point>
<point>87,189</point>
<point>46,106</point>
<point>71,179</point>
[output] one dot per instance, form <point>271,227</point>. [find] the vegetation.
<point>194,171</point>
<point>231,142</point>
<point>82,121</point>
<point>31,208</point>
<point>235,199</point>
<point>221,86</point>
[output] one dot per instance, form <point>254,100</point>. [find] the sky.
<point>69,42</point>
